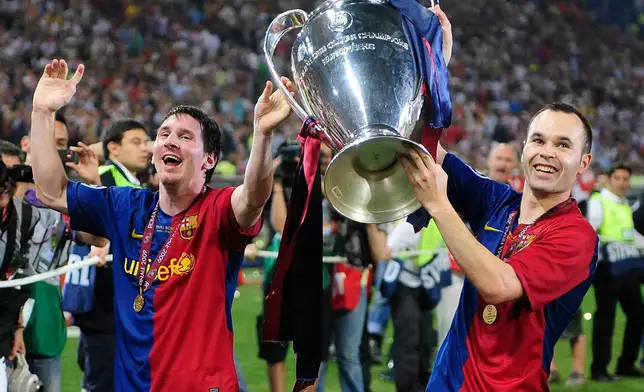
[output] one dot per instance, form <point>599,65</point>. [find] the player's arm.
<point>495,280</point>
<point>53,91</point>
<point>248,199</point>
<point>50,179</point>
<point>91,239</point>
<point>470,193</point>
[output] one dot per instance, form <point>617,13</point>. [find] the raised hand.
<point>427,178</point>
<point>272,108</point>
<point>54,89</point>
<point>446,26</point>
<point>87,166</point>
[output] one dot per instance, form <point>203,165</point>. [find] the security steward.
<point>413,287</point>
<point>617,277</point>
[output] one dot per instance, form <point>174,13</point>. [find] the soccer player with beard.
<point>176,252</point>
<point>529,263</point>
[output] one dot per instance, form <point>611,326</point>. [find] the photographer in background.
<point>345,300</point>
<point>45,333</point>
<point>26,245</point>
<point>286,159</point>
<point>15,233</point>
<point>611,216</point>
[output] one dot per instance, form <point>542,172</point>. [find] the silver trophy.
<point>356,74</point>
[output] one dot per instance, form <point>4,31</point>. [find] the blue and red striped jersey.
<point>182,340</point>
<point>555,261</point>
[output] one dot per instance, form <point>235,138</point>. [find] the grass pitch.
<point>248,304</point>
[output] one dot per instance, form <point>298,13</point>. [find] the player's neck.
<point>534,205</point>
<point>176,199</point>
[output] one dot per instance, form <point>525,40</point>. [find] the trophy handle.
<point>282,24</point>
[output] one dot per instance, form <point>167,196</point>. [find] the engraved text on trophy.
<point>350,43</point>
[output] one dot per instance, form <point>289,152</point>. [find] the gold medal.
<point>489,314</point>
<point>139,301</point>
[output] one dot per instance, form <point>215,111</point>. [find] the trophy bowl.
<point>356,74</point>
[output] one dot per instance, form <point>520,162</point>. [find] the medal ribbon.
<point>512,248</point>
<point>145,280</point>
<point>489,313</point>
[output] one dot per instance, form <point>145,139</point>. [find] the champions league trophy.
<point>357,77</point>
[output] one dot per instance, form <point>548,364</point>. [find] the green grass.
<point>247,306</point>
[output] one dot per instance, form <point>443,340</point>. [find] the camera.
<point>68,156</point>
<point>289,153</point>
<point>17,173</point>
<point>21,379</point>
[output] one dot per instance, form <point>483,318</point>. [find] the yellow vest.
<point>430,240</point>
<point>226,169</point>
<point>617,220</point>
<point>119,178</point>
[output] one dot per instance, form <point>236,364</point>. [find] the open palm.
<point>54,89</point>
<point>272,108</point>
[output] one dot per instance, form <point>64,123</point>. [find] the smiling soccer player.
<point>173,315</point>
<point>528,268</point>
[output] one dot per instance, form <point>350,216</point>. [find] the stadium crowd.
<point>146,57</point>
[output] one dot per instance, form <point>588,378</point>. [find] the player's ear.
<point>209,162</point>
<point>112,147</point>
<point>585,163</point>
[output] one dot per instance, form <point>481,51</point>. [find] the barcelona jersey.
<point>182,340</point>
<point>509,346</point>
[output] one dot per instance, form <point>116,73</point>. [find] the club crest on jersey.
<point>188,226</point>
<point>185,264</point>
<point>523,242</point>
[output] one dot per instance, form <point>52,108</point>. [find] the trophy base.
<point>366,183</point>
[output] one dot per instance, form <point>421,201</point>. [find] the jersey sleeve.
<point>551,266</point>
<point>93,209</point>
<point>234,237</point>
<point>472,194</point>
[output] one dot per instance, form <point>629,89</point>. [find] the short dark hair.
<point>60,117</point>
<point>566,108</point>
<point>114,133</point>
<point>210,131</point>
<point>10,149</point>
<point>619,166</point>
